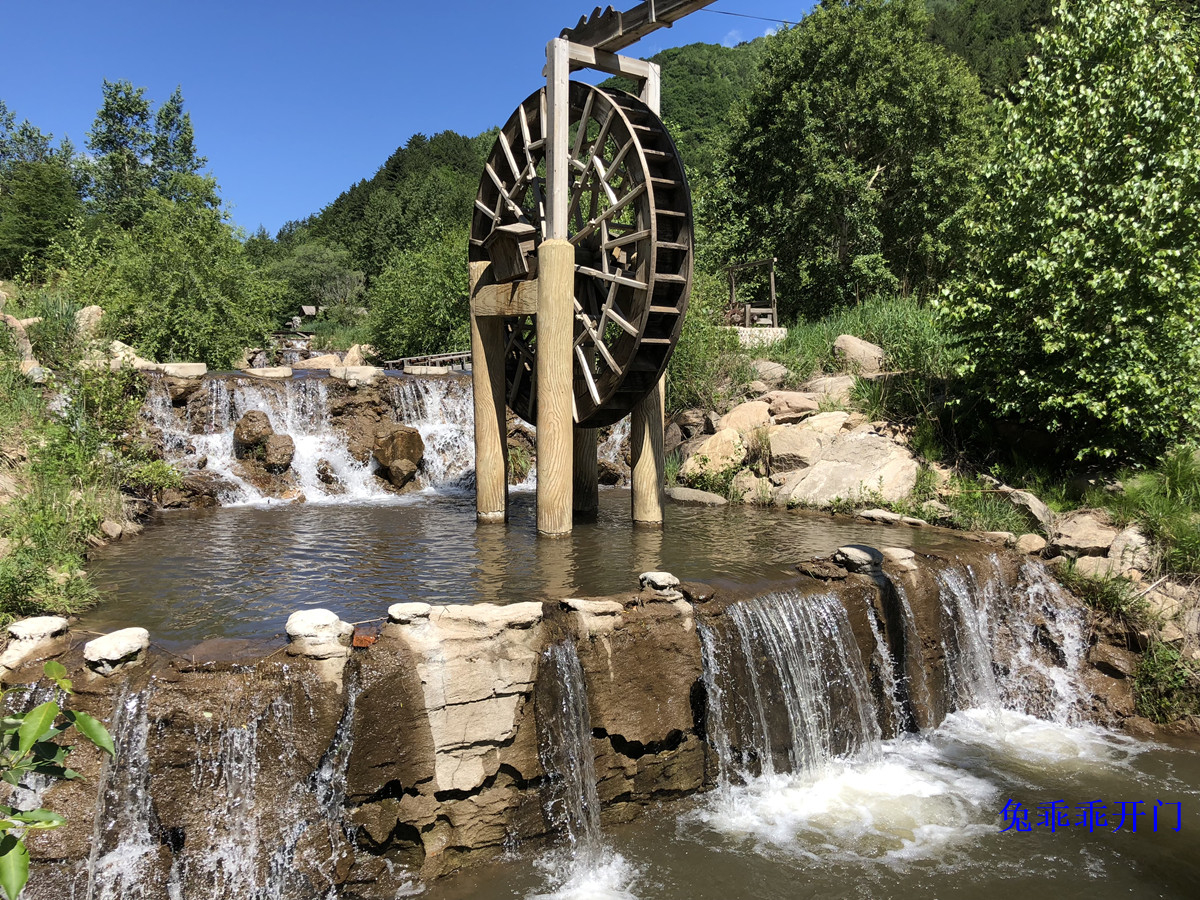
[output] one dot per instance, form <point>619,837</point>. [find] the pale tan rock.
<point>87,322</point>
<point>746,417</point>
<point>1031,543</point>
<point>325,361</point>
<point>771,373</point>
<point>271,372</point>
<point>1131,549</point>
<point>858,356</point>
<point>716,454</point>
<point>832,388</point>
<point>788,407</point>
<point>793,447</point>
<point>854,466</point>
<point>354,357</point>
<point>1098,568</point>
<point>826,423</point>
<point>1083,534</point>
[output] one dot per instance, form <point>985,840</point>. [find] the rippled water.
<point>924,820</point>
<point>239,572</point>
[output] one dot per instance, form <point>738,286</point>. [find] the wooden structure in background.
<point>581,265</point>
<point>754,315</point>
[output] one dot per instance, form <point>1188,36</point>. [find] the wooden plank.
<point>517,298</point>
<point>612,30</point>
<point>558,155</point>
<point>583,57</point>
<point>491,436</point>
<point>555,387</point>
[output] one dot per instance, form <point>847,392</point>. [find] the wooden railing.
<point>441,360</point>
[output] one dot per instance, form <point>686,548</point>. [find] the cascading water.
<point>125,841</point>
<point>441,409</point>
<point>791,688</point>
<point>585,867</point>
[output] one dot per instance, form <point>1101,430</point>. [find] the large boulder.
<point>325,361</point>
<point>714,456</point>
<point>399,451</point>
<point>251,433</point>
<point>1131,549</point>
<point>87,322</point>
<point>1084,533</point>
<point>789,407</point>
<point>856,466</point>
<point>858,356</point>
<point>770,373</point>
<point>277,453</point>
<point>831,388</point>
<point>793,447</point>
<point>747,416</point>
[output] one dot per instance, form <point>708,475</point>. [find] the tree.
<point>177,285</point>
<point>1081,311</point>
<point>121,141</point>
<point>317,273</point>
<point>419,302</point>
<point>850,159</point>
<point>38,200</point>
<point>174,164</point>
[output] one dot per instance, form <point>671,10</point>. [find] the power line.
<point>721,12</point>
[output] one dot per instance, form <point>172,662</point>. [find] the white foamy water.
<point>610,877</point>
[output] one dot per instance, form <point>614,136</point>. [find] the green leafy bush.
<point>419,302</point>
<point>708,366</point>
<point>1081,312</point>
<point>1167,686</point>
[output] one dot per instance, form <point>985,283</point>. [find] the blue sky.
<point>293,102</point>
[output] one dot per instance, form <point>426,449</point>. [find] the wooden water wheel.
<point>630,219</point>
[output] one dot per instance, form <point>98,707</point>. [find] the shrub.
<point>708,367</point>
<point>1080,312</point>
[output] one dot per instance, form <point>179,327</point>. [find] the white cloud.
<point>732,39</point>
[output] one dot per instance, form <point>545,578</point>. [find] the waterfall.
<point>125,844</point>
<point>788,690</point>
<point>1032,634</point>
<point>200,438</point>
<point>587,867</point>
<point>442,410</point>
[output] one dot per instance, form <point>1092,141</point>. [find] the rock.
<point>901,557</point>
<point>251,433</point>
<point>1099,568</point>
<point>318,634</point>
<point>609,472</point>
<point>1083,534</point>
<point>788,407</point>
<point>750,488</point>
<point>87,322</point>
<point>858,356</point>
<point>357,375</point>
<point>832,388</point>
<point>399,451</point>
<point>937,511</point>
<point>822,569</point>
<point>690,422</point>
<point>695,497</point>
<point>858,558</point>
<point>1033,507</point>
<point>913,521</point>
<point>883,516</point>
<point>746,417</point>
<point>658,581</point>
<point>28,637</point>
<point>116,651</point>
<point>697,591</point>
<point>711,420</point>
<point>324,361</point>
<point>1131,549</point>
<point>1162,605</point>
<point>854,466</point>
<point>407,613</point>
<point>426,370</point>
<point>1031,544</point>
<point>826,423</point>
<point>770,373</point>
<point>278,451</point>
<point>757,387</point>
<point>672,438</point>
<point>271,372</point>
<point>1007,538</point>
<point>715,456</point>
<point>182,370</point>
<point>354,357</point>
<point>111,530</point>
<point>1113,661</point>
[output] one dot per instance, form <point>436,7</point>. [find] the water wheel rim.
<point>614,214</point>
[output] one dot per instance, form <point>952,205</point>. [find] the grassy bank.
<point>68,450</point>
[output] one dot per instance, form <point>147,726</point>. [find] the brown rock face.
<point>250,433</point>
<point>399,451</point>
<point>278,451</point>
<point>1084,534</point>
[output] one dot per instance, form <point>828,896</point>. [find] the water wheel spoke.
<point>513,207</point>
<point>621,277</point>
<point>518,171</point>
<point>587,375</point>
<point>631,238</point>
<point>613,210</point>
<point>581,133</point>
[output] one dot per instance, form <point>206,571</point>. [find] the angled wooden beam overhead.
<point>612,30</point>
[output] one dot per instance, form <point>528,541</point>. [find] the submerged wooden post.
<point>648,480</point>
<point>556,310</point>
<point>586,501</point>
<point>491,438</point>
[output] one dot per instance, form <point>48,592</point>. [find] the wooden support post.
<point>649,478</point>
<point>555,425</point>
<point>556,310</point>
<point>491,437</point>
<point>648,483</point>
<point>587,475</point>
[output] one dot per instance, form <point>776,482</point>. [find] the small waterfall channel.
<point>196,434</point>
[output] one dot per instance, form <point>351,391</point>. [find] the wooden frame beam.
<point>612,30</point>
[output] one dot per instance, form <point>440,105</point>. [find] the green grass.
<point>333,335</point>
<point>1166,685</point>
<point>1115,597</point>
